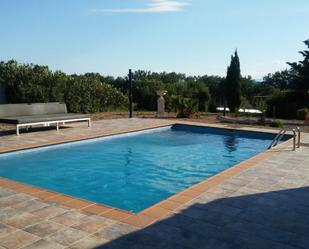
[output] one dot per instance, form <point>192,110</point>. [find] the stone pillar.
<point>161,103</point>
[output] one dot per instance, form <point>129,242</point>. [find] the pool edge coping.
<point>155,212</point>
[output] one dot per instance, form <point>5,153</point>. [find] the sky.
<point>195,37</point>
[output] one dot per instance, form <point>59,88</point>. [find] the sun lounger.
<point>25,115</point>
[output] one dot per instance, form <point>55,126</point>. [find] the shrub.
<point>87,95</point>
<point>302,113</point>
<point>284,103</point>
<point>27,83</point>
<point>184,107</point>
<point>276,123</point>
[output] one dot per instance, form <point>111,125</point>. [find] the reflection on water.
<point>230,142</point>
<point>127,162</point>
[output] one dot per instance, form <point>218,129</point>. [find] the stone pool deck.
<point>261,203</point>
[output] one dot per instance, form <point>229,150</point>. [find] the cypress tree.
<point>232,84</point>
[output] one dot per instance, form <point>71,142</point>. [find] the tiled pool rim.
<point>151,214</point>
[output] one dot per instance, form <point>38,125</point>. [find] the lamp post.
<point>130,94</point>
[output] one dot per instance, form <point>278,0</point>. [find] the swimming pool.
<point>135,170</point>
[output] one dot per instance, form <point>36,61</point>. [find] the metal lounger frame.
<point>57,122</point>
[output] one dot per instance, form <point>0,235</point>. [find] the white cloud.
<point>155,6</point>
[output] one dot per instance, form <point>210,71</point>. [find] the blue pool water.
<point>136,170</point>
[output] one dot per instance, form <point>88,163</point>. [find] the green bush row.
<point>27,83</point>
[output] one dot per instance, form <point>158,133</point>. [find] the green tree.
<point>200,93</point>
<point>280,79</point>
<point>290,88</point>
<point>300,78</point>
<point>232,84</point>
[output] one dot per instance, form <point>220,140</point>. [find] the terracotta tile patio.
<point>260,203</point>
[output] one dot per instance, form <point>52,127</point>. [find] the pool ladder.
<point>296,134</point>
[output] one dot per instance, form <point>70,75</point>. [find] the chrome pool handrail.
<point>282,132</point>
